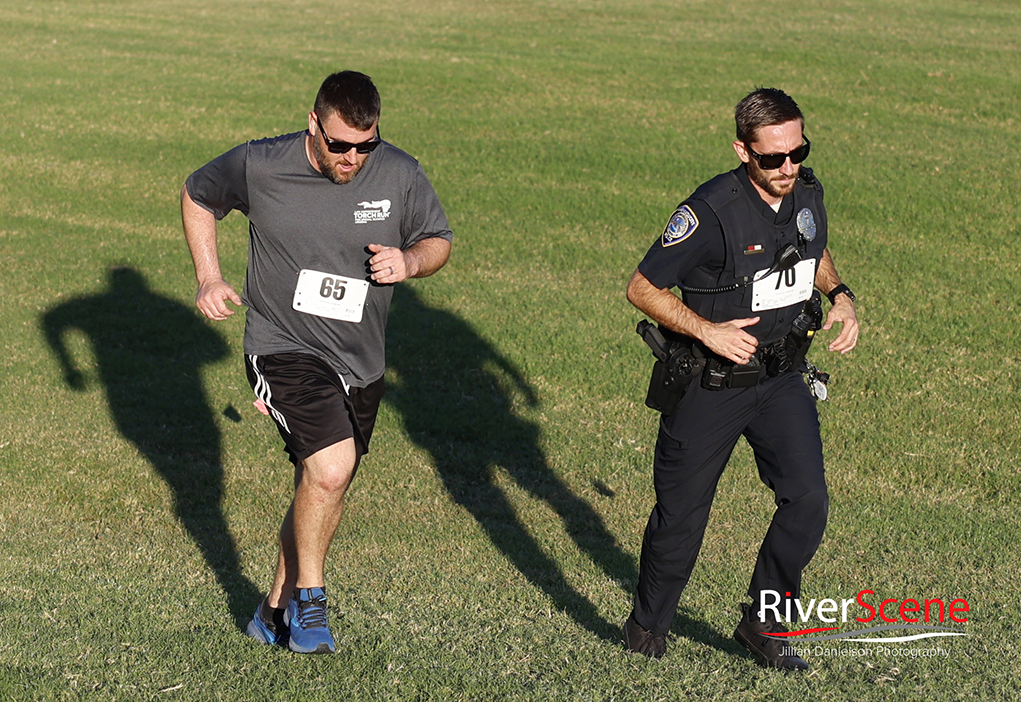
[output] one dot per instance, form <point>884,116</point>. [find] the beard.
<point>770,185</point>
<point>327,168</point>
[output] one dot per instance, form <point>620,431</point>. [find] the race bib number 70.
<point>784,288</point>
<point>330,296</point>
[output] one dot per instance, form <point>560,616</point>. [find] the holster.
<point>672,378</point>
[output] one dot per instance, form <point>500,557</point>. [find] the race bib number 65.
<point>330,296</point>
<point>784,288</point>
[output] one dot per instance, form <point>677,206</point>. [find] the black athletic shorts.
<point>307,400</point>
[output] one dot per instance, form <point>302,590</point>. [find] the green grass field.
<point>490,544</point>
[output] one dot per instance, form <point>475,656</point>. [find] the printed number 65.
<point>327,289</point>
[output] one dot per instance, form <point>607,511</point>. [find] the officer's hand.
<point>730,340</point>
<point>389,265</point>
<point>212,297</point>
<point>843,312</point>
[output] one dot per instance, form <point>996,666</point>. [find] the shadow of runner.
<point>149,351</point>
<point>447,388</point>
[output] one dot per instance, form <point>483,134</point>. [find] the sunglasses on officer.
<point>342,147</point>
<point>770,162</point>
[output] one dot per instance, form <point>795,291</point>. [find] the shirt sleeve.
<point>424,216</point>
<point>691,239</point>
<point>222,184</point>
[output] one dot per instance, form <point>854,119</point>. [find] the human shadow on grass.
<point>455,393</point>
<point>149,353</point>
<point>688,627</point>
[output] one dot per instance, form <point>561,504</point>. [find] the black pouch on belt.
<point>788,353</point>
<point>720,373</point>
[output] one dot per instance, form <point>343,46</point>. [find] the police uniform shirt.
<point>678,252</point>
<point>693,251</point>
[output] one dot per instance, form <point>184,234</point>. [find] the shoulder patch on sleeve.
<point>682,225</point>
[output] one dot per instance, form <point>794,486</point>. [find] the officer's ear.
<point>742,151</point>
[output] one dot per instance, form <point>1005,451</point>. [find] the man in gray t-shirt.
<point>336,217</point>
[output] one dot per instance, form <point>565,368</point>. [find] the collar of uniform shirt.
<point>781,216</point>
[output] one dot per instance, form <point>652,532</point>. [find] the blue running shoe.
<point>306,619</point>
<point>267,632</point>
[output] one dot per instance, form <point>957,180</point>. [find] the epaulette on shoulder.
<point>719,191</point>
<point>807,177</point>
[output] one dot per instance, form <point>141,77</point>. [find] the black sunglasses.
<point>342,147</point>
<point>770,162</point>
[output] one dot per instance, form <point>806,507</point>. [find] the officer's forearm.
<point>665,308</point>
<point>826,277</point>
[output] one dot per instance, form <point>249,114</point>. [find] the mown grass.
<point>491,540</point>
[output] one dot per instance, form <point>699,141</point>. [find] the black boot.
<point>643,641</point>
<point>769,652</point>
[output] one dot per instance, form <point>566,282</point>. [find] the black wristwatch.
<point>832,294</point>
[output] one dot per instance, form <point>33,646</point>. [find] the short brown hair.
<point>764,107</point>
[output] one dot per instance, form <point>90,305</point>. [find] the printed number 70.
<point>327,289</point>
<point>788,278</point>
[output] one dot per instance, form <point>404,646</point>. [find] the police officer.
<point>745,249</point>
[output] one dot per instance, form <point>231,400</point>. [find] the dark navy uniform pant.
<point>778,417</point>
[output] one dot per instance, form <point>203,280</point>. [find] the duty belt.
<point>720,373</point>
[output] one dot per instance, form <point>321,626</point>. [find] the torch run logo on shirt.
<point>896,622</point>
<point>372,211</point>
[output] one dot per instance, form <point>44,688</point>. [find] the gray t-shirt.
<point>301,220</point>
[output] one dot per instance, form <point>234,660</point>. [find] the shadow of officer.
<point>451,388</point>
<point>149,352</point>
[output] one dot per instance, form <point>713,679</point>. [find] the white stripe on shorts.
<point>264,393</point>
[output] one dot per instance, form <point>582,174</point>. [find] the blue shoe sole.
<point>260,632</point>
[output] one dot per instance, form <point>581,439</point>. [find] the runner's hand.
<point>212,298</point>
